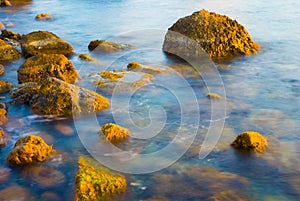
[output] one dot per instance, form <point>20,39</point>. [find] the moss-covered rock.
<point>2,138</point>
<point>22,93</point>
<point>56,97</point>
<point>29,149</point>
<point>214,96</point>
<point>8,34</point>
<point>137,67</point>
<point>94,182</point>
<point>250,141</point>
<point>39,67</point>
<point>5,86</point>
<point>107,46</point>
<point>220,36</point>
<point>3,116</point>
<point>114,133</point>
<point>8,52</point>
<point>44,42</point>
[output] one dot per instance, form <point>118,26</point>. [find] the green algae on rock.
<point>5,86</point>
<point>107,46</point>
<point>94,182</point>
<point>29,149</point>
<point>56,97</point>
<point>44,42</point>
<point>8,53</point>
<point>250,141</point>
<point>22,93</point>
<point>41,66</point>
<point>114,133</point>
<point>220,36</point>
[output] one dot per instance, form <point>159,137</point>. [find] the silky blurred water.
<point>263,94</point>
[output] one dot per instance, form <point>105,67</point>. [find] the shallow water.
<point>262,94</point>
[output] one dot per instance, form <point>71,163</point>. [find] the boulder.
<point>107,46</point>
<point>220,36</point>
<point>45,42</point>
<point>8,52</point>
<point>29,149</point>
<point>250,141</point>
<point>5,86</point>
<point>8,34</point>
<point>22,93</point>
<point>41,66</point>
<point>115,133</point>
<point>94,182</point>
<point>56,97</point>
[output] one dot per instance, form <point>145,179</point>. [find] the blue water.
<point>263,94</point>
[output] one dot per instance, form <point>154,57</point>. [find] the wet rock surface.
<point>44,42</point>
<point>107,46</point>
<point>8,53</point>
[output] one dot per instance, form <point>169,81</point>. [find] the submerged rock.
<point>220,36</point>
<point>15,192</point>
<point>22,93</point>
<point>8,52</point>
<point>2,138</point>
<point>137,67</point>
<point>56,97</point>
<point>2,69</point>
<point>250,141</point>
<point>229,195</point>
<point>107,46</point>
<point>214,96</point>
<point>39,67</point>
<point>94,182</point>
<point>115,133</point>
<point>44,176</point>
<point>4,174</point>
<point>29,149</point>
<point>5,86</point>
<point>44,42</point>
<point>43,16</point>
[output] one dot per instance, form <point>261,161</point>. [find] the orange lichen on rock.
<point>214,96</point>
<point>38,68</point>
<point>43,16</point>
<point>94,182</point>
<point>29,149</point>
<point>2,138</point>
<point>115,133</point>
<point>250,141</point>
<point>8,52</point>
<point>220,36</point>
<point>5,86</point>
<point>112,76</point>
<point>133,65</point>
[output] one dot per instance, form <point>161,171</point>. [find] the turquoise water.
<point>262,94</point>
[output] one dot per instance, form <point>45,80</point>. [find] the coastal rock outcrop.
<point>94,182</point>
<point>220,36</point>
<point>45,42</point>
<point>8,52</point>
<point>56,97</point>
<point>41,66</point>
<point>29,149</point>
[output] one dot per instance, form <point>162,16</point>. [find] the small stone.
<point>2,69</point>
<point>43,16</point>
<point>214,96</point>
<point>5,86</point>
<point>14,192</point>
<point>64,129</point>
<point>2,141</point>
<point>133,65</point>
<point>2,25</point>
<point>107,46</point>
<point>29,149</point>
<point>3,116</point>
<point>115,133</point>
<point>250,141</point>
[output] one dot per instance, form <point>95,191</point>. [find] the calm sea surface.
<point>262,91</point>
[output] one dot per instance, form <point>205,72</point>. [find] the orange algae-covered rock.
<point>5,86</point>
<point>107,46</point>
<point>22,93</point>
<point>8,52</point>
<point>220,36</point>
<point>2,138</point>
<point>43,16</point>
<point>56,97</point>
<point>250,141</point>
<point>29,149</point>
<point>94,182</point>
<point>44,42</point>
<point>214,96</point>
<point>115,133</point>
<point>39,67</point>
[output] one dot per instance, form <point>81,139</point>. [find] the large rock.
<point>220,36</point>
<point>44,42</point>
<point>56,97</point>
<point>29,149</point>
<point>94,182</point>
<point>39,67</point>
<point>8,52</point>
